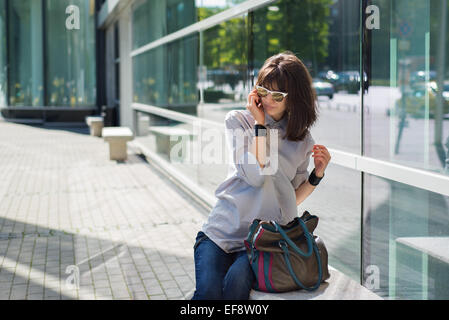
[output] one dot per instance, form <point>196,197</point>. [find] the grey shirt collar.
<point>271,123</point>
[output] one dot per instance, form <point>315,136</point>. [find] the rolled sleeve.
<point>301,172</point>
<point>239,141</point>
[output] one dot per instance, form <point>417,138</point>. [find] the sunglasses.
<point>277,96</point>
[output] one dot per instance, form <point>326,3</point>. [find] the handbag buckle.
<point>282,243</point>
<point>274,224</point>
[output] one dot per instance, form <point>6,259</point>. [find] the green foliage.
<point>299,26</point>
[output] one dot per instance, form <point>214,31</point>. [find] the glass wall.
<point>408,95</point>
<point>148,21</point>
<point>406,121</point>
<point>223,68</point>
<point>227,62</point>
<point>3,64</point>
<point>50,64</point>
<point>340,224</point>
<point>70,61</point>
<point>25,41</point>
<point>386,85</point>
<point>182,72</point>
<point>325,35</point>
<point>406,238</point>
<point>173,83</point>
<point>150,78</point>
<point>153,19</point>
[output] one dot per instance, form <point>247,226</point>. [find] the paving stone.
<point>88,219</point>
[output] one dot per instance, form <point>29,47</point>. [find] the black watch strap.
<point>313,179</point>
<point>260,130</point>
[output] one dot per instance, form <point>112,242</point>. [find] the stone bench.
<point>424,254</point>
<point>143,123</point>
<point>163,134</point>
<point>117,138</point>
<point>95,124</point>
<point>337,287</point>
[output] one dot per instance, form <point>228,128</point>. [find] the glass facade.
<point>408,97</point>
<point>379,70</point>
<point>25,46</point>
<point>406,234</point>
<point>325,35</point>
<point>150,79</point>
<point>50,64</point>
<point>154,19</point>
<point>70,55</point>
<point>406,122</point>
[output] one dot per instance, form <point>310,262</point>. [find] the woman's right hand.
<point>254,105</point>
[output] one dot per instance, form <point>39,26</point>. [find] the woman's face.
<point>271,107</point>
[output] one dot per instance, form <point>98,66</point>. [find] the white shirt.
<point>247,193</point>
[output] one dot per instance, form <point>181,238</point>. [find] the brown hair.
<point>291,76</point>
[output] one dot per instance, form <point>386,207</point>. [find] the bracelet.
<point>260,128</point>
<point>313,179</point>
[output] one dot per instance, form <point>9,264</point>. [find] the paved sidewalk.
<point>66,209</point>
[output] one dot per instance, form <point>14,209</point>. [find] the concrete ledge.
<point>337,287</point>
<point>117,138</point>
<point>163,135</point>
<point>95,124</point>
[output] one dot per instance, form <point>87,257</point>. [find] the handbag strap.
<point>284,248</point>
<point>292,244</point>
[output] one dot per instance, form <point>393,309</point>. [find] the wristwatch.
<point>260,130</point>
<point>313,179</point>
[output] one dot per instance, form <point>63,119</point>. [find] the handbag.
<point>288,257</point>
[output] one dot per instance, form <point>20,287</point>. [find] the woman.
<point>279,112</point>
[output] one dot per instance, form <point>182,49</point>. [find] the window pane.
<point>3,63</point>
<point>215,62</point>
<point>207,8</point>
<point>325,35</point>
<point>180,14</point>
<point>25,53</point>
<point>150,84</point>
<point>224,70</point>
<point>406,240</point>
<point>340,218</point>
<point>173,83</point>
<point>155,19</point>
<point>70,61</point>
<point>149,22</point>
<point>182,74</point>
<point>407,103</point>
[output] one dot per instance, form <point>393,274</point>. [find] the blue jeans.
<point>220,275</point>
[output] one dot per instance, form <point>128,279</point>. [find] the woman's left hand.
<point>321,158</point>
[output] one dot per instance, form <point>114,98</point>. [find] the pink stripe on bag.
<point>261,273</point>
<point>270,273</point>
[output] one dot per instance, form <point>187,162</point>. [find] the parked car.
<point>328,75</point>
<point>323,88</point>
<point>348,81</point>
